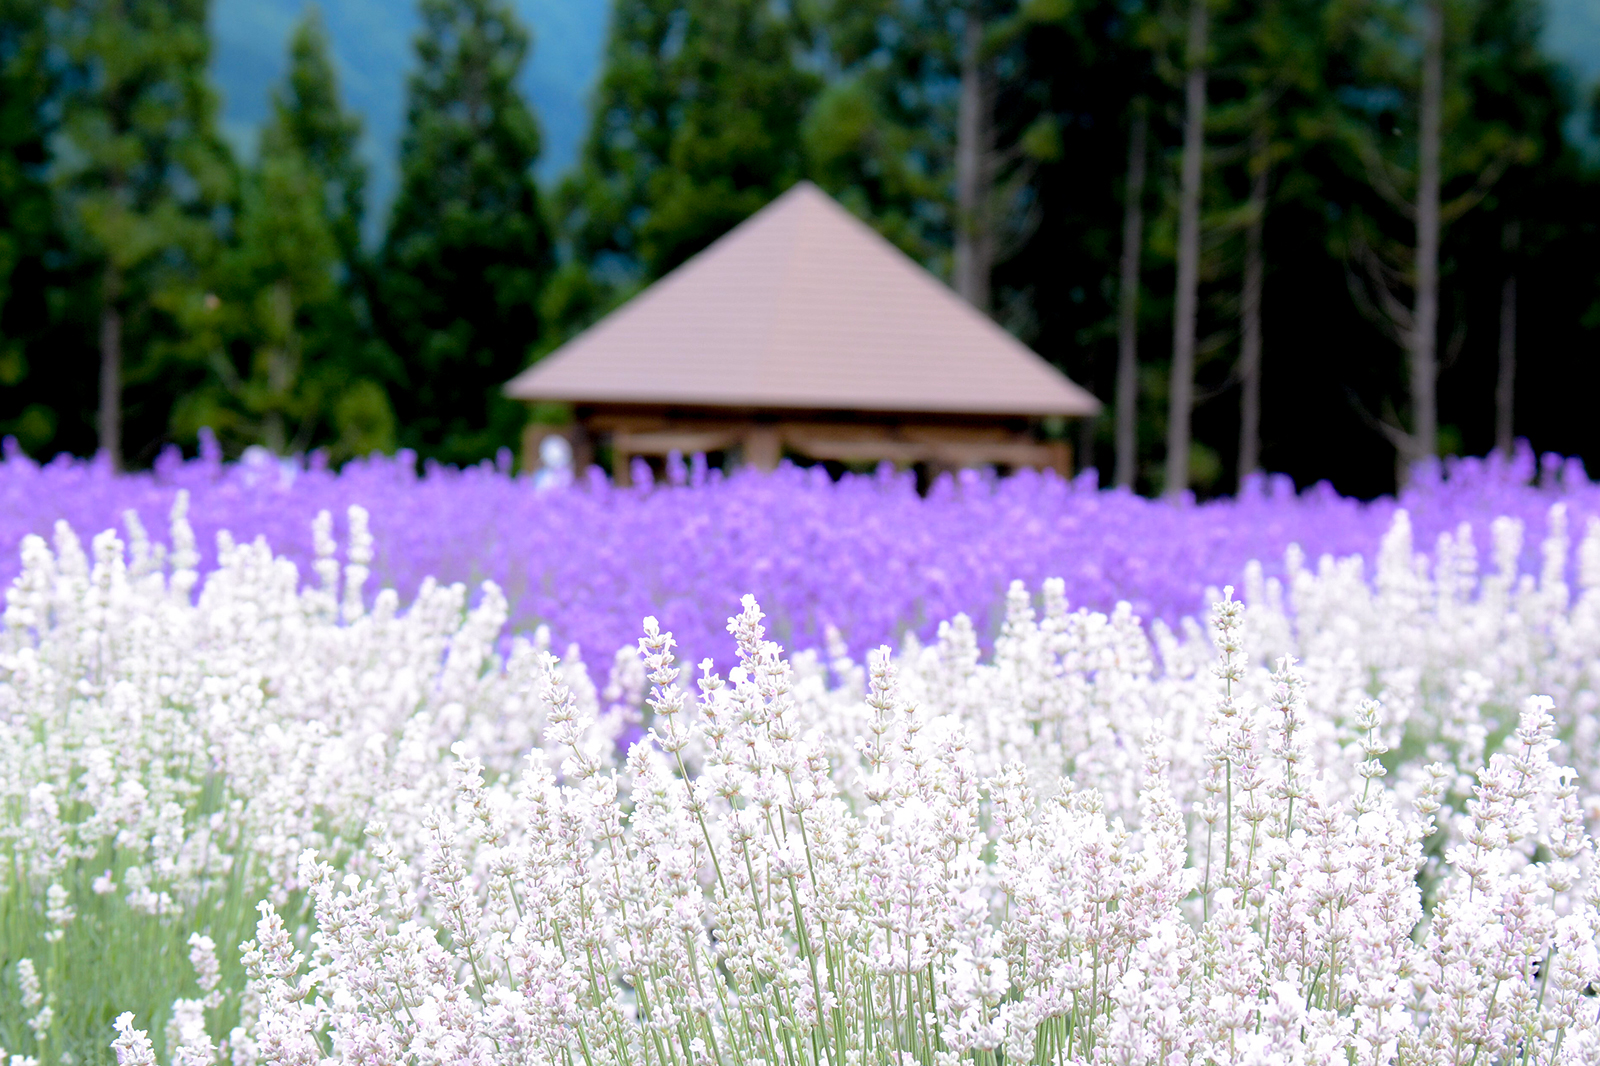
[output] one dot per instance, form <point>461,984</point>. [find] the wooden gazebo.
<point>804,331</point>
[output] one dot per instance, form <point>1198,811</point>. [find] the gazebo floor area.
<point>762,441</point>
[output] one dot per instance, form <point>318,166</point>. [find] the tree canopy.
<point>467,251</point>
<point>1287,235</point>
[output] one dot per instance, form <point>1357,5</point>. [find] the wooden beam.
<point>1014,451</point>
<point>959,434</point>
<point>763,444</point>
<point>626,423</point>
<point>685,441</point>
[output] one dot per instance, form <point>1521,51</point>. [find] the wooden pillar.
<point>621,464</point>
<point>1061,458</point>
<point>582,451</point>
<point>762,447</point>
<point>532,434</point>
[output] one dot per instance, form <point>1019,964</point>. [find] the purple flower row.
<point>866,554</point>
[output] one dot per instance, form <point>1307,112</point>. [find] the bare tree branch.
<point>1458,340</point>
<point>1397,437</point>
<point>1487,177</point>
<point>1379,304</point>
<point>1383,181</point>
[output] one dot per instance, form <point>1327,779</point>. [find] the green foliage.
<point>146,163</point>
<point>27,226</point>
<point>740,96</point>
<point>696,125</point>
<point>707,110</point>
<point>308,118</point>
<point>115,956</point>
<point>1500,116</point>
<point>291,362</point>
<point>1493,99</point>
<point>140,176</point>
<point>629,142</point>
<point>364,420</point>
<point>277,275</point>
<point>467,252</point>
<point>245,301</point>
<point>881,136</point>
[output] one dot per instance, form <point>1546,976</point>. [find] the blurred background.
<point>1367,229</point>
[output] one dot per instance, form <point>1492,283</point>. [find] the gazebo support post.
<point>763,447</point>
<point>621,464</point>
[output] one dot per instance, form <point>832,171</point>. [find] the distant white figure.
<point>555,463</point>
<point>259,464</point>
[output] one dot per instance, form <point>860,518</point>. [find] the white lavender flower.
<point>1313,833</point>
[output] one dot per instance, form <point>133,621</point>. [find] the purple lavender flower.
<point>866,554</point>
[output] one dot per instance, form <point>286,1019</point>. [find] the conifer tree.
<point>467,252</point>
<point>736,143</point>
<point>345,361</point>
<point>1429,160</point>
<point>140,181</point>
<point>1250,298</point>
<point>1068,77</point>
<point>26,223</point>
<point>1180,394</point>
<point>975,232</point>
<point>697,124</point>
<point>1272,60</point>
<point>1127,424</point>
<point>881,133</point>
<point>1505,386</point>
<point>931,127</point>
<point>269,284</point>
<point>144,170</point>
<point>284,337</point>
<point>1002,133</point>
<point>629,141</point>
<point>309,117</point>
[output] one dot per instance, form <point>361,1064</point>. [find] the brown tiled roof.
<point>803,306</point>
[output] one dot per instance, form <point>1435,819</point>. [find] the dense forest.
<point>1321,237</point>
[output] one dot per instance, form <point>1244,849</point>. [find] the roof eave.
<point>1073,407</point>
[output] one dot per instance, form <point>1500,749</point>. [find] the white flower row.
<point>1332,826</point>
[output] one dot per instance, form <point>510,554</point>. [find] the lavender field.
<point>865,555</point>
<point>277,797</point>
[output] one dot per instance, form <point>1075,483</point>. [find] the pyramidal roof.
<point>803,306</point>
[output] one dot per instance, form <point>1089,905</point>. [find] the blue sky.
<point>372,50</point>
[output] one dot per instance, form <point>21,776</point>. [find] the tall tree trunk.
<point>1088,425</point>
<point>975,241</point>
<point>1505,385</point>
<point>1181,393</point>
<point>281,367</point>
<point>1128,302</point>
<point>1424,437</point>
<point>111,368</point>
<point>1250,310</point>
